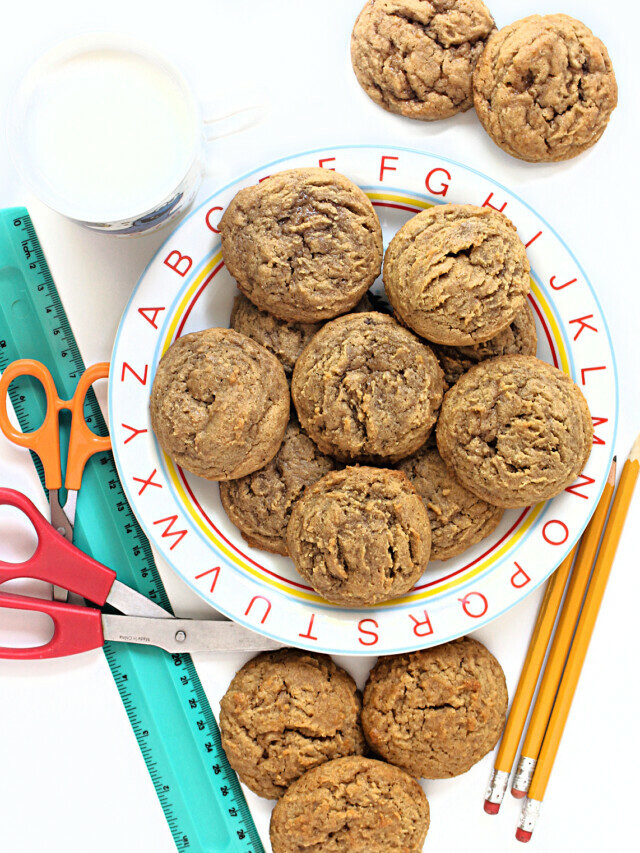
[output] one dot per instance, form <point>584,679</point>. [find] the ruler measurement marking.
<point>54,322</point>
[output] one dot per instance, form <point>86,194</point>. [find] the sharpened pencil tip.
<point>635,450</point>
<point>611,479</point>
<point>523,835</point>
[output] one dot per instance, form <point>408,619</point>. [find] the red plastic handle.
<point>56,560</point>
<point>76,629</point>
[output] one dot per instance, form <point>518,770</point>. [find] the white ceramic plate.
<point>187,288</point>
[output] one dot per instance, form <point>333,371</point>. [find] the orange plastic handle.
<point>45,441</point>
<point>82,442</point>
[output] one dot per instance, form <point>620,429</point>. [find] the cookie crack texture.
<point>542,437</point>
<point>458,518</point>
<point>457,274</point>
<point>518,338</point>
<point>260,504</point>
<point>447,23</point>
<point>217,404</point>
<point>356,804</point>
<point>435,713</point>
<point>304,244</point>
<point>515,431</point>
<point>285,713</point>
<point>360,536</point>
<point>417,57</point>
<point>285,340</point>
<point>545,88</point>
<point>379,392</point>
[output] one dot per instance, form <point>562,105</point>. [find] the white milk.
<point>110,134</point>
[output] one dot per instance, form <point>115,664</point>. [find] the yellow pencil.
<point>527,685</point>
<point>562,640</point>
<point>580,645</point>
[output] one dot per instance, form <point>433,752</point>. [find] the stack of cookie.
<point>543,87</point>
<point>295,728</point>
<point>352,485</point>
<point>512,430</point>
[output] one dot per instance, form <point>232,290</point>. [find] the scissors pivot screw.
<point>181,636</point>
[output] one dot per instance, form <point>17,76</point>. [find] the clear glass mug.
<point>107,132</point>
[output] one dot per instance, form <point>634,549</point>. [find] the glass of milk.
<point>107,132</point>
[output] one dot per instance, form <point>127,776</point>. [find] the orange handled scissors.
<point>45,441</point>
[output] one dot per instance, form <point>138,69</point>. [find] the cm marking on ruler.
<point>167,708</point>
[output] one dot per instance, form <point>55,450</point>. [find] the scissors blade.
<point>129,601</point>
<point>63,525</point>
<point>59,518</point>
<point>185,635</point>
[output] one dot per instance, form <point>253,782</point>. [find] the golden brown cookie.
<point>515,430</point>
<point>260,504</point>
<point>285,340</point>
<point>219,404</point>
<point>286,712</point>
<point>416,57</point>
<point>360,536</point>
<point>519,338</point>
<point>366,388</point>
<point>438,711</point>
<point>351,805</point>
<point>304,244</point>
<point>457,274</point>
<point>458,518</point>
<point>544,88</point>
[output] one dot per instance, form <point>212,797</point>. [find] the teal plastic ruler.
<point>164,700</point>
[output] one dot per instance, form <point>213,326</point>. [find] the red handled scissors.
<point>45,441</point>
<point>80,628</point>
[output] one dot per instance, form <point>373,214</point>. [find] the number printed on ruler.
<point>200,795</point>
<point>45,287</point>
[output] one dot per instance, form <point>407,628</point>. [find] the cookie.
<point>360,536</point>
<point>416,57</point>
<point>457,274</point>
<point>285,340</point>
<point>519,338</point>
<point>458,518</point>
<point>304,245</point>
<point>219,404</point>
<point>260,503</point>
<point>351,805</point>
<point>515,430</point>
<point>367,389</point>
<point>286,712</point>
<point>438,711</point>
<point>544,88</point>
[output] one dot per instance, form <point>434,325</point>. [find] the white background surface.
<point>71,775</point>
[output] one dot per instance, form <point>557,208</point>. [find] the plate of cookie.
<point>355,462</point>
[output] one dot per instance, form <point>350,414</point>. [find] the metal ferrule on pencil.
<point>529,815</point>
<point>497,787</point>
<point>524,774</point>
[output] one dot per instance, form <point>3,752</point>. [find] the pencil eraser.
<point>523,835</point>
<point>491,808</point>
<point>518,794</point>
